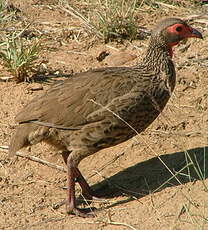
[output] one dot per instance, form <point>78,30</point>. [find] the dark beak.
<point>196,34</point>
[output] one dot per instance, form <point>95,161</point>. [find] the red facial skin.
<point>184,32</point>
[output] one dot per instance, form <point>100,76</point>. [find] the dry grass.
<point>109,20</point>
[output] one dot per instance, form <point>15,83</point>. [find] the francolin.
<point>103,107</point>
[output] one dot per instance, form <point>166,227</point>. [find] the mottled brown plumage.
<point>96,109</point>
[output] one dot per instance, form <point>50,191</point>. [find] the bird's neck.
<point>158,56</point>
<point>158,60</point>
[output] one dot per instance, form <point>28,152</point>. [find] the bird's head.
<point>171,31</point>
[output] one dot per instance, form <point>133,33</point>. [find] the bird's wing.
<point>73,102</point>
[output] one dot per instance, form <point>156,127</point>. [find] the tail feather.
<point>27,134</point>
<point>19,140</point>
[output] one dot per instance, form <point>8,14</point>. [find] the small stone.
<point>35,87</point>
<point>120,58</point>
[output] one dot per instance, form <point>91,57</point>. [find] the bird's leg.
<point>70,203</point>
<point>87,192</point>
<point>65,155</point>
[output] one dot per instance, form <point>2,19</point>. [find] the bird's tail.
<point>19,139</point>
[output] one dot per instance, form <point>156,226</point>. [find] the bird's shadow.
<point>155,175</point>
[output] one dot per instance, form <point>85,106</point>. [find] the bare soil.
<point>146,181</point>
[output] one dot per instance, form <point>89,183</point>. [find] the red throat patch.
<point>170,51</point>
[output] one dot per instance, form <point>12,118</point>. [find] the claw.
<point>85,213</point>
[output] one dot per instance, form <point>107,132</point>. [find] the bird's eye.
<point>179,28</point>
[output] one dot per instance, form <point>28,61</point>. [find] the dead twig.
<point>182,134</point>
<point>121,224</point>
<point>111,223</point>
<point>71,11</point>
<point>36,159</point>
<point>39,223</point>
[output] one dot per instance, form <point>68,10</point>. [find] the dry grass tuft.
<point>19,56</point>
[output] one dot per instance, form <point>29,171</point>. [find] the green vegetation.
<point>109,20</point>
<point>19,56</point>
<point>116,19</point>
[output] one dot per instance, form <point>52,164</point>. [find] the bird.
<point>102,107</point>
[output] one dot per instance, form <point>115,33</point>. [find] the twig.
<point>36,159</point>
<point>166,5</point>
<point>111,223</point>
<point>121,224</point>
<point>6,78</point>
<point>182,134</point>
<point>39,223</point>
<point>70,10</point>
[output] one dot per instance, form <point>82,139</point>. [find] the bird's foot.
<point>85,213</point>
<point>91,197</point>
<point>87,197</point>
